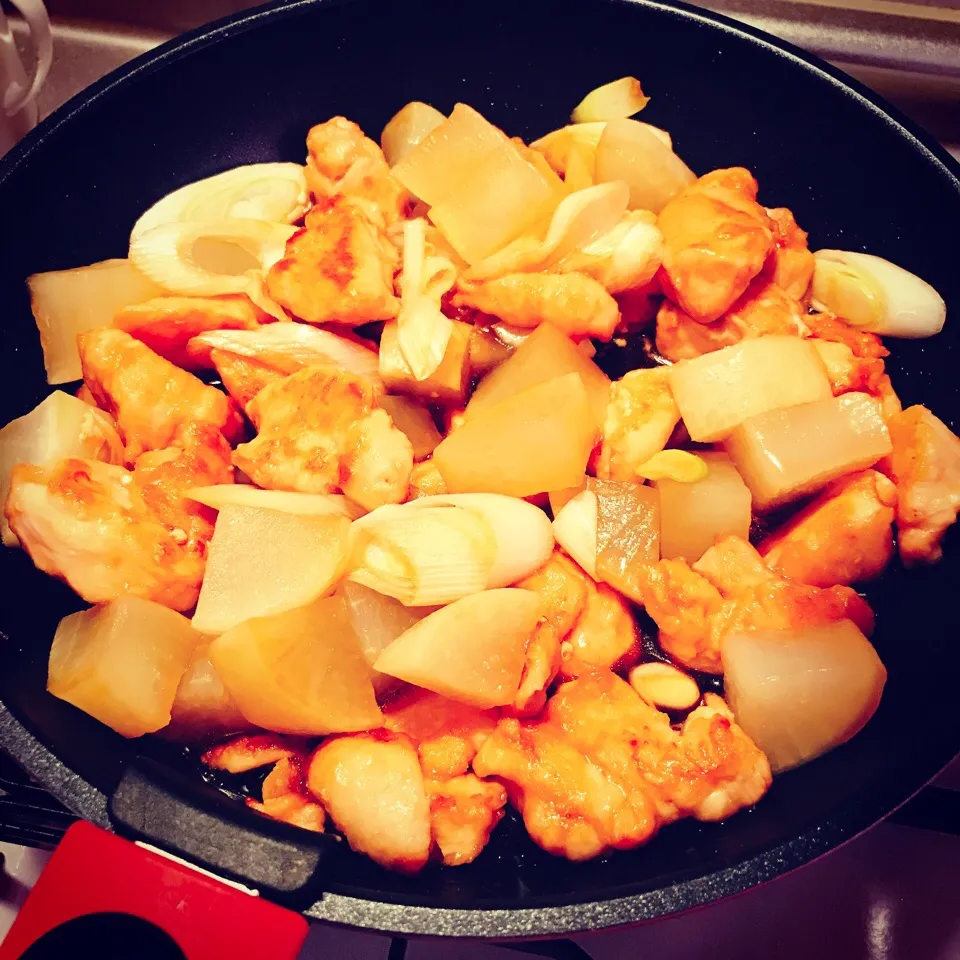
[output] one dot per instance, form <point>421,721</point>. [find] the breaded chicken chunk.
<point>321,431</point>
<point>151,399</point>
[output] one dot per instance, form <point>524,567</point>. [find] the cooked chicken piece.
<point>285,796</point>
<point>604,770</point>
<point>604,717</point>
<point>709,770</point>
<point>731,589</point>
<point>242,377</point>
<point>463,812</point>
<point>640,418</point>
<point>844,536</point>
<point>716,238</point>
<point>562,588</point>
<point>111,532</point>
<point>571,805</point>
<point>254,750</point>
<point>925,465</point>
<point>341,161</point>
<point>625,258</point>
<point>713,769</point>
<point>573,302</point>
<point>764,309</point>
<point>447,733</point>
<point>825,326</point>
<point>425,481</point>
<point>605,636</point>
<point>846,371</point>
<point>793,261</point>
<point>286,777</point>
<point>150,398</point>
<point>372,787</point>
<point>338,269</point>
<point>293,809</point>
<point>320,431</point>
<point>166,324</point>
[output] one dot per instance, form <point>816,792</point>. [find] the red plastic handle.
<point>95,872</point>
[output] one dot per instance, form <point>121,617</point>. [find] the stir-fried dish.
<point>353,504</point>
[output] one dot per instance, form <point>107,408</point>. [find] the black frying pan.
<point>857,176</point>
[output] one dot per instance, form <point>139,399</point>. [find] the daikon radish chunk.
<point>793,451</point>
<point>504,195</point>
<point>448,155</point>
<point>545,354</point>
<point>558,499</point>
<point>631,152</point>
<point>203,709</point>
<point>694,516</point>
<point>299,672</point>
<point>61,426</point>
<point>264,562</point>
<point>415,421</point>
<point>377,621</point>
<point>472,650</point>
<point>69,302</point>
<point>447,384</point>
<point>533,442</point>
<point>799,693</point>
<point>628,529</point>
<point>407,128</point>
<point>719,390</point>
<point>122,663</point>
<point>285,501</point>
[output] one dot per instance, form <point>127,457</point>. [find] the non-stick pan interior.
<point>854,178</point>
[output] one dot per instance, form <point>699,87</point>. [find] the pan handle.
<point>151,804</point>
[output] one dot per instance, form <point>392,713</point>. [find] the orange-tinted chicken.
<point>319,431</point>
<point>447,733</point>
<point>562,587</point>
<point>843,537</point>
<point>573,302</point>
<point>342,162</point>
<point>925,465</point>
<point>764,309</point>
<point>716,239</point>
<point>338,269</point>
<point>731,589</point>
<point>167,324</point>
<point>111,532</point>
<point>372,787</point>
<point>151,399</point>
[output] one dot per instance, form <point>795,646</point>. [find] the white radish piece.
<point>471,651</point>
<point>299,672</point>
<point>264,562</point>
<point>122,663</point>
<point>799,693</point>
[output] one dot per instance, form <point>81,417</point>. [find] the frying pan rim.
<point>405,919</point>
